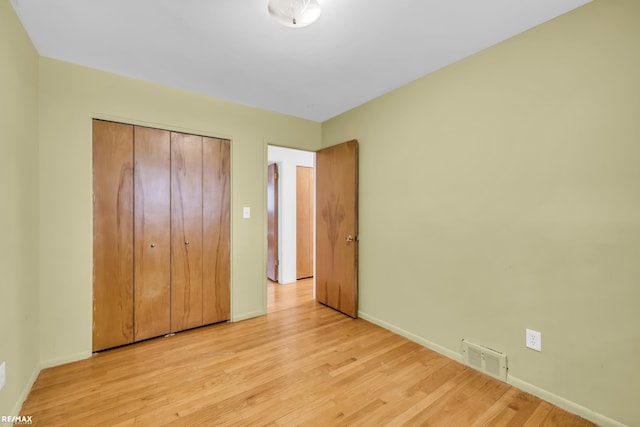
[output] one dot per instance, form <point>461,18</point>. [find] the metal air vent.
<point>485,360</point>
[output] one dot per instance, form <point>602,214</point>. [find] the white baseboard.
<point>413,337</point>
<point>247,316</point>
<point>559,401</point>
<point>288,279</point>
<point>25,392</point>
<point>65,359</point>
<point>563,403</point>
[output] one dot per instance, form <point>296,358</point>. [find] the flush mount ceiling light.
<point>294,13</point>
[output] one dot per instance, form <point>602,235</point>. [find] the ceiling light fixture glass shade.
<point>294,13</point>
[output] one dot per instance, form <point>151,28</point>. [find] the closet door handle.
<point>186,242</point>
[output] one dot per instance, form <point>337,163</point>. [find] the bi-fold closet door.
<point>151,233</point>
<point>161,232</point>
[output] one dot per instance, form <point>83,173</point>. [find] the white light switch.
<point>246,212</point>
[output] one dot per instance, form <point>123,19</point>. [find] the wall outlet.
<point>533,340</point>
<point>2,374</point>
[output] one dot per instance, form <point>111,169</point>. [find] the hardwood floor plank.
<point>493,413</point>
<point>411,415</point>
<point>301,364</point>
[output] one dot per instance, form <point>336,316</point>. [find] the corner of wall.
<point>25,391</point>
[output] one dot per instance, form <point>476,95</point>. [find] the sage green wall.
<point>18,209</point>
<point>503,193</point>
<point>69,97</point>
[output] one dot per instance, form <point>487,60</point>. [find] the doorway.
<point>290,254</point>
<point>336,220</point>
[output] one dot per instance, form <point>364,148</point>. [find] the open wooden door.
<point>337,227</point>
<point>272,222</point>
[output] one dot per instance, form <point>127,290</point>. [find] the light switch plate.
<point>2,374</point>
<point>246,212</point>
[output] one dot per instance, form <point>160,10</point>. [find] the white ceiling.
<point>232,49</point>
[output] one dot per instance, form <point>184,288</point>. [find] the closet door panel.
<point>304,222</point>
<point>216,229</point>
<point>152,284</point>
<point>112,234</point>
<point>186,231</point>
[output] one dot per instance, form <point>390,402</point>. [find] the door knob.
<point>186,242</point>
<point>350,238</point>
<point>153,245</point>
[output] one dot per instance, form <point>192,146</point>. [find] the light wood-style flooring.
<point>301,364</point>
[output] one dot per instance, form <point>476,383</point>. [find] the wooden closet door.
<point>112,234</point>
<point>152,280</point>
<point>304,222</point>
<point>216,230</point>
<point>186,231</point>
